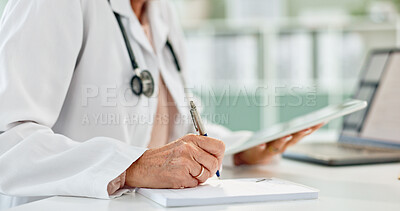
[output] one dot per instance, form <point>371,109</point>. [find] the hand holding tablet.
<point>285,129</point>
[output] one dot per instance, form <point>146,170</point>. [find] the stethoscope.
<point>142,82</point>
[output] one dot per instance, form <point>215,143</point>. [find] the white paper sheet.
<point>231,191</point>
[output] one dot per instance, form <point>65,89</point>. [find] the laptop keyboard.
<point>362,148</point>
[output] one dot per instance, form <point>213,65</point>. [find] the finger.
<point>276,146</point>
<point>262,146</point>
<point>202,173</point>
<point>186,181</point>
<point>207,160</point>
<point>211,145</point>
<point>305,132</point>
<point>200,159</point>
<point>310,130</point>
<point>187,176</point>
<point>316,127</point>
<point>300,135</point>
<point>199,171</point>
<point>191,182</point>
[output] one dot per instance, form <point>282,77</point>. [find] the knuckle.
<point>190,137</point>
<point>204,177</point>
<point>222,145</point>
<point>188,146</point>
<point>188,182</point>
<point>214,164</point>
<point>180,141</point>
<point>193,183</point>
<point>186,167</point>
<point>202,180</point>
<point>178,151</point>
<point>183,165</point>
<point>180,163</point>
<point>188,149</point>
<point>182,148</point>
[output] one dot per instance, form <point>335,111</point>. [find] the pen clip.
<point>261,180</point>
<point>198,124</point>
<point>194,120</point>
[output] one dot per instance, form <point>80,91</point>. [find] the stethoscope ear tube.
<point>127,43</point>
<point>171,49</point>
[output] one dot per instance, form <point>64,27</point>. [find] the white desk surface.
<point>369,187</point>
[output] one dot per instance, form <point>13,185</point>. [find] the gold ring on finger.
<point>201,173</point>
<point>273,149</point>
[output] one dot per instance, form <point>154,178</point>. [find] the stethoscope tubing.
<point>136,69</point>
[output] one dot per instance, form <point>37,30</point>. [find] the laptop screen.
<point>380,87</point>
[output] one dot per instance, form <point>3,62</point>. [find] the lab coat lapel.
<point>161,33</point>
<point>158,26</point>
<point>123,8</point>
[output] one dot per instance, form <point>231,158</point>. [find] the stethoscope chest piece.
<point>142,83</point>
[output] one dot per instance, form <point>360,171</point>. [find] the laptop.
<point>371,135</point>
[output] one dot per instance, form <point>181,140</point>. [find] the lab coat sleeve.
<point>40,41</point>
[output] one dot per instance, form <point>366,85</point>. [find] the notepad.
<point>231,191</point>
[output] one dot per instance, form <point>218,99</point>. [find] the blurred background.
<point>258,62</point>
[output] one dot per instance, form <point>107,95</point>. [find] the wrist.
<point>237,160</point>
<point>131,175</point>
<point>134,172</point>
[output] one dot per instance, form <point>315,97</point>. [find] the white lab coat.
<point>71,123</point>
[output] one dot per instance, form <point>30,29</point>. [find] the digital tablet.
<point>323,115</point>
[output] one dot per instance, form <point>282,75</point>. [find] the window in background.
<point>295,57</point>
<point>228,57</point>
